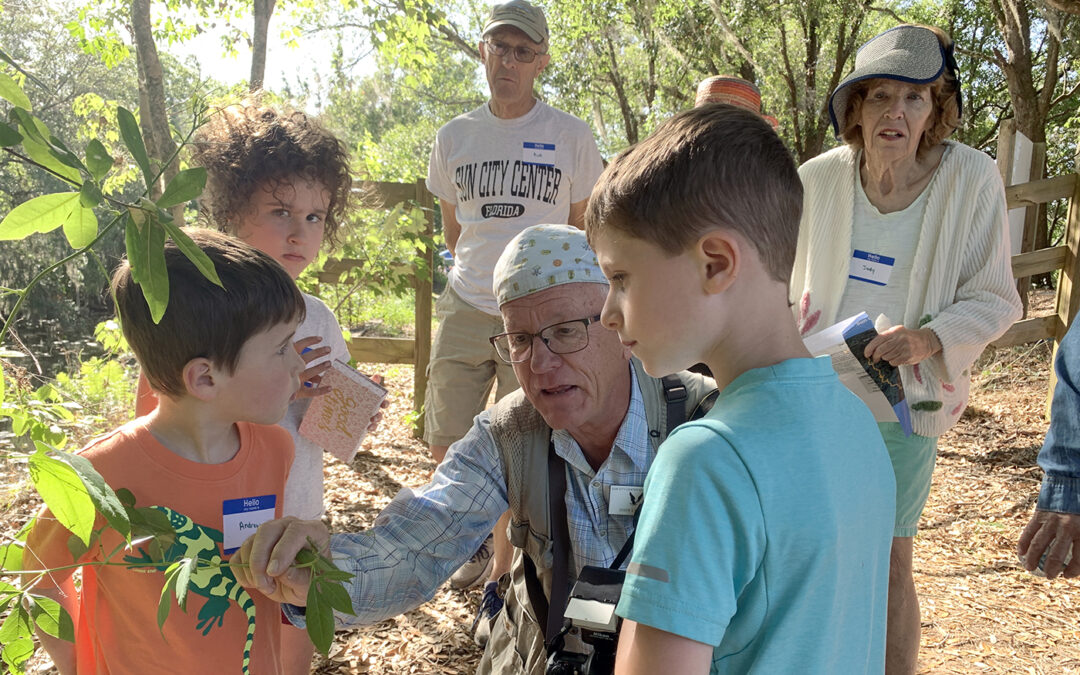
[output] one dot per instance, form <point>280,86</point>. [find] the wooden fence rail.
<point>1065,258</point>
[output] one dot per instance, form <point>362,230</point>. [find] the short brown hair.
<point>248,146</point>
<point>945,114</point>
<point>714,166</point>
<point>202,319</point>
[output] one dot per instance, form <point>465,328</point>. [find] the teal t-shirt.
<point>766,528</point>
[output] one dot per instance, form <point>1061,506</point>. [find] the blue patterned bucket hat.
<point>542,257</point>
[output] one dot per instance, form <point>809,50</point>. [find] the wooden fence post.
<point>423,308</point>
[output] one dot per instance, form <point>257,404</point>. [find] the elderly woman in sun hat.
<point>910,228</point>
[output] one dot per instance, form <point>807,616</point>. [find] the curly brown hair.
<point>944,119</point>
<point>249,145</point>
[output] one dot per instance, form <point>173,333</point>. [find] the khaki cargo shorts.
<point>462,370</point>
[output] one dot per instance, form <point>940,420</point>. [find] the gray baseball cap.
<point>905,53</point>
<point>520,14</point>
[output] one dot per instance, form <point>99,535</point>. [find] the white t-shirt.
<point>506,175</point>
<point>304,489</point>
<point>882,252</point>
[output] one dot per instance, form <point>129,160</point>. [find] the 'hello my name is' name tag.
<point>871,268</point>
<point>241,517</point>
<point>624,500</point>
<point>538,153</point>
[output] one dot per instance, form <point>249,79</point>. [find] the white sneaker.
<point>476,568</point>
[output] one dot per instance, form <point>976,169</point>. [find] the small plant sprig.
<point>325,594</point>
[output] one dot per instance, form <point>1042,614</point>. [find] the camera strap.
<point>549,613</point>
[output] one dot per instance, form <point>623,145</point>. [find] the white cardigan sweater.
<point>961,279</point>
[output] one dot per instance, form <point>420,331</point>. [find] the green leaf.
<point>9,136</point>
<point>16,625</point>
<point>183,580</point>
<point>320,620</point>
<point>16,653</point>
<point>129,131</point>
<point>89,194</point>
<point>98,161</point>
<point>11,556</point>
<point>336,596</point>
<point>43,155</point>
<point>336,575</point>
<point>11,62</point>
<point>63,492</point>
<point>146,254</point>
<point>12,92</point>
<point>81,227</point>
<point>185,186</point>
<point>105,500</point>
<point>196,255</point>
<point>165,602</point>
<point>152,525</point>
<point>32,128</point>
<point>40,214</point>
<point>51,618</point>
<point>126,497</point>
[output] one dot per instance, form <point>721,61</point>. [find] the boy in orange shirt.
<point>210,456</point>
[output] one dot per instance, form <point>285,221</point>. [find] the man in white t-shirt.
<point>511,163</point>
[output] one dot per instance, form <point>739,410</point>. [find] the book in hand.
<point>338,421</point>
<point>876,383</point>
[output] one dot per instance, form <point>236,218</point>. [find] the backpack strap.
<point>675,398</point>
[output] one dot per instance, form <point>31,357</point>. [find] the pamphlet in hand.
<point>338,421</point>
<point>877,384</point>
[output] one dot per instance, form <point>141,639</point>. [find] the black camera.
<point>586,645</point>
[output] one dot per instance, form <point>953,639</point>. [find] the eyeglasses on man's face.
<point>521,54</point>
<point>566,337</point>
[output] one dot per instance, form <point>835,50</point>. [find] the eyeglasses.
<point>521,54</point>
<point>561,338</point>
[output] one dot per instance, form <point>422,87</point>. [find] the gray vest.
<point>516,644</point>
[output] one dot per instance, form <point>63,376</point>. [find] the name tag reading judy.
<point>538,153</point>
<point>624,500</point>
<point>241,517</point>
<point>871,268</point>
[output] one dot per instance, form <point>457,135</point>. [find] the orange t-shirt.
<point>116,628</point>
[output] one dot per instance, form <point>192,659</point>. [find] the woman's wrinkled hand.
<point>902,346</point>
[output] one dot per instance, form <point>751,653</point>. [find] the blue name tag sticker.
<point>241,517</point>
<point>538,153</point>
<point>871,268</point>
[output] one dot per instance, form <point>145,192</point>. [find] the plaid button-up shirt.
<point>426,533</point>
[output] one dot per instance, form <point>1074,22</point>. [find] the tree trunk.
<point>153,115</point>
<point>809,100</point>
<point>263,10</point>
<point>1031,104</point>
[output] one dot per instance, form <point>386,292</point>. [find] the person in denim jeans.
<point>1054,529</point>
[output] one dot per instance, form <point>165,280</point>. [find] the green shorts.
<point>913,460</point>
<point>462,369</point>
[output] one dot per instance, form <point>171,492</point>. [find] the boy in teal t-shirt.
<point>763,542</point>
